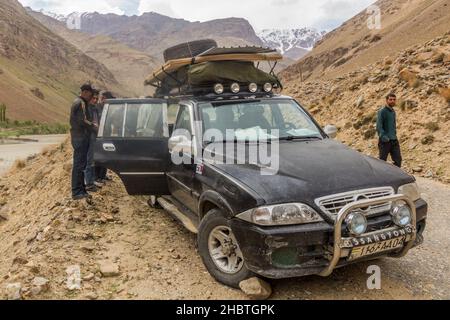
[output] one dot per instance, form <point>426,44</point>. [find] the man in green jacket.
<point>387,131</point>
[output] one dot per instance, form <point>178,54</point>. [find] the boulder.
<point>256,289</point>
<point>108,268</point>
<point>39,285</point>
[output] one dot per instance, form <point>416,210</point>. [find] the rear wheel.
<point>220,250</point>
<point>188,49</point>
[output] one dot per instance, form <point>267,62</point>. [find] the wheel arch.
<point>210,200</point>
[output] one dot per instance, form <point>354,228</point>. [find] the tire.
<point>215,220</point>
<point>188,49</point>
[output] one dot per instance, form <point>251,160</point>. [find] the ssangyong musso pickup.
<point>322,207</point>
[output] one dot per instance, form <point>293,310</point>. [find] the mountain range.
<point>40,72</point>
<point>152,32</point>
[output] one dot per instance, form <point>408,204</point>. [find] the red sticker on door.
<point>200,169</point>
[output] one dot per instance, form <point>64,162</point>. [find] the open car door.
<point>133,142</point>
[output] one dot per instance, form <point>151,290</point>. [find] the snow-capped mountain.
<point>293,43</point>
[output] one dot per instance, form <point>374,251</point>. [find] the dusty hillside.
<point>129,66</point>
<point>404,23</point>
<point>420,76</point>
<point>40,72</point>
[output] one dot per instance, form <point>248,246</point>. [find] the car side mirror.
<point>331,131</point>
<point>180,144</point>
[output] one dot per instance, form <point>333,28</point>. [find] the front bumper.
<point>319,248</point>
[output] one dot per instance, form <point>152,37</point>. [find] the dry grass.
<point>20,164</point>
<point>410,77</point>
<point>445,93</point>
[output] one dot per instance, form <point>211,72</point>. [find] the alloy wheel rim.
<point>224,250</point>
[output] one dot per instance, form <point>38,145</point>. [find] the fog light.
<point>218,88</point>
<point>401,215</point>
<point>356,223</point>
<point>253,87</point>
<point>235,88</point>
<point>268,87</point>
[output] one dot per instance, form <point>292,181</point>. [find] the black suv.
<point>316,206</point>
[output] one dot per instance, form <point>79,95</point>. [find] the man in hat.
<point>80,128</point>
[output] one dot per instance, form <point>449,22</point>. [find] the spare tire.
<point>189,49</point>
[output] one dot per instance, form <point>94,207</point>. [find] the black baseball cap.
<point>87,87</point>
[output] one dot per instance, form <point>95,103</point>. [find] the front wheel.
<point>220,250</point>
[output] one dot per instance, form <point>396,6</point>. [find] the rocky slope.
<point>404,23</point>
<point>40,72</point>
<point>419,76</point>
<point>129,66</point>
<point>292,43</point>
<point>116,247</point>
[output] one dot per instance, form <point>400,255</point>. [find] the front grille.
<point>331,205</point>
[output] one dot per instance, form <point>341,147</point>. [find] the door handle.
<point>109,147</point>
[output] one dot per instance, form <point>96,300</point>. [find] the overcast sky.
<point>280,14</point>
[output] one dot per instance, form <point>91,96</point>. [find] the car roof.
<point>205,98</point>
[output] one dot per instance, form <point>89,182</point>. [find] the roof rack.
<point>181,86</point>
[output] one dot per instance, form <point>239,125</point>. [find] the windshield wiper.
<point>207,143</point>
<point>291,138</point>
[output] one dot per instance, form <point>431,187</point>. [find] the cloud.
<point>160,6</point>
<point>280,14</point>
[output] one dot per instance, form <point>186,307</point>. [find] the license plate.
<point>371,249</point>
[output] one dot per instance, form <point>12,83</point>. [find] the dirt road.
<point>153,257</point>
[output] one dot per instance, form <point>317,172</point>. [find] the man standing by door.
<point>80,128</point>
<point>92,117</point>
<point>387,131</point>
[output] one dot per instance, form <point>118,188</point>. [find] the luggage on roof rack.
<point>216,65</point>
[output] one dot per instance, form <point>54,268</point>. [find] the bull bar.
<point>345,211</point>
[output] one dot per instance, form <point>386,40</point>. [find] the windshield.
<point>256,120</point>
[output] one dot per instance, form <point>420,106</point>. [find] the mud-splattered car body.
<point>319,177</point>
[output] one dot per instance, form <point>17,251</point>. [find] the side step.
<point>177,214</point>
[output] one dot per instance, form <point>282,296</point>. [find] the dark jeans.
<point>90,167</point>
<point>393,148</point>
<point>100,173</point>
<point>80,146</point>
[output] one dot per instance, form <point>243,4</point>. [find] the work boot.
<point>92,188</point>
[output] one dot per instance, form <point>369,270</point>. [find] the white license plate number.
<point>369,250</point>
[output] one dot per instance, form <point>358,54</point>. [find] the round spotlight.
<point>235,88</point>
<point>218,88</point>
<point>356,223</point>
<point>253,87</point>
<point>401,215</point>
<point>268,87</point>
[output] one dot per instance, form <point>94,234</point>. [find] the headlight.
<point>268,87</point>
<point>410,190</point>
<point>235,88</point>
<point>356,223</point>
<point>401,214</point>
<point>253,87</point>
<point>218,88</point>
<point>284,214</point>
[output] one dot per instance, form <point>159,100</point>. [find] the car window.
<point>184,120</point>
<point>144,120</point>
<point>114,121</point>
<point>135,120</point>
<point>258,119</point>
